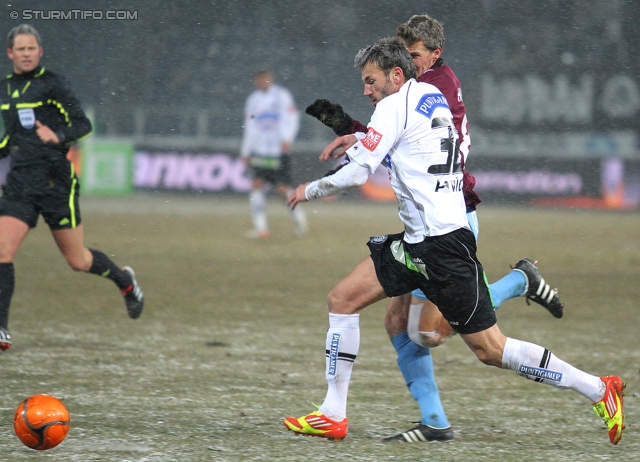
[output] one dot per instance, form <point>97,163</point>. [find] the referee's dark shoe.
<point>133,296</point>
<point>422,433</point>
<point>5,339</point>
<point>537,288</point>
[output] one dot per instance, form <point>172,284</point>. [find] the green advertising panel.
<point>107,168</point>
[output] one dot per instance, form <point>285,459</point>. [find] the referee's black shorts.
<point>30,192</point>
<point>445,268</point>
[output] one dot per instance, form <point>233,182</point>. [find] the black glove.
<point>332,115</point>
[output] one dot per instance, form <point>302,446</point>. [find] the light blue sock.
<point>416,365</point>
<point>510,286</point>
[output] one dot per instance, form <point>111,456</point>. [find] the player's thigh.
<point>430,316</point>
<point>12,232</point>
<point>488,345</point>
<point>358,290</point>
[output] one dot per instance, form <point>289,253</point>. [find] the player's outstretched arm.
<point>338,147</point>
<point>298,195</point>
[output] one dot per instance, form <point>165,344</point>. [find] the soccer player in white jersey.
<point>411,130</point>
<point>413,323</point>
<point>271,123</point>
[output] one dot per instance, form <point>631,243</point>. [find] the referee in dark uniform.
<point>42,119</point>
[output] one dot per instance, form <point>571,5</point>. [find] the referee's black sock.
<point>104,267</point>
<point>7,283</point>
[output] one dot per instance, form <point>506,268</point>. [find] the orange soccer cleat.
<point>318,424</point>
<point>611,407</point>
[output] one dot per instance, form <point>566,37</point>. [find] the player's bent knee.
<point>334,302</point>
<point>341,303</point>
<point>428,339</point>
<point>78,264</point>
<point>487,358</point>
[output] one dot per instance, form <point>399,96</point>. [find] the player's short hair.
<point>22,29</point>
<point>262,72</point>
<point>422,28</point>
<point>387,53</point>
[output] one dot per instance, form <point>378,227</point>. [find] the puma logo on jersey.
<point>453,185</point>
<point>429,102</point>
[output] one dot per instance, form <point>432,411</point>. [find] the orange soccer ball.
<point>41,422</point>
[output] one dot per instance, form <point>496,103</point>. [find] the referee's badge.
<point>27,118</point>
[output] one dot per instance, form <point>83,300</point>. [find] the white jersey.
<point>412,132</point>
<point>270,119</point>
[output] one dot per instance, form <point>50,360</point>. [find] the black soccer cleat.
<point>422,433</point>
<point>133,296</point>
<point>537,288</point>
<point>5,339</point>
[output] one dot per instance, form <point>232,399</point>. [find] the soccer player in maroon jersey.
<point>413,323</point>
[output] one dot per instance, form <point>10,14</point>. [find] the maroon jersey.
<point>443,78</point>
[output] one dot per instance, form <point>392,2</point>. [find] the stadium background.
<point>551,87</point>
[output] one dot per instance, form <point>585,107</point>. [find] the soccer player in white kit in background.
<point>412,131</point>
<point>271,123</point>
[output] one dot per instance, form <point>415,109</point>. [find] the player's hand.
<point>341,144</point>
<point>332,115</point>
<point>45,134</point>
<point>297,196</point>
<point>285,147</point>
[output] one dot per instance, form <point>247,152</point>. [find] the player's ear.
<point>398,75</point>
<point>41,51</point>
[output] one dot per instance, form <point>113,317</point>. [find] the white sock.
<point>536,363</point>
<point>343,341</point>
<point>299,217</point>
<point>258,210</point>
